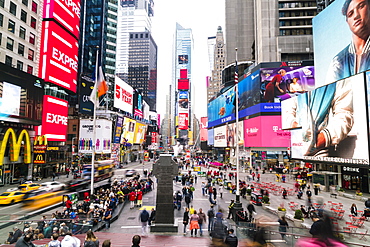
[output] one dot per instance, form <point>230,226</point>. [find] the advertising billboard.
<point>183,73</point>
<point>86,86</point>
<point>203,129</point>
<point>336,59</point>
<point>54,118</point>
<point>333,126</point>
<point>210,140</point>
<point>118,130</point>
<point>183,84</point>
<point>265,131</point>
<point>222,109</point>
<point>183,59</point>
<point>183,121</point>
<point>123,95</point>
<point>231,134</point>
<point>183,102</point>
<point>58,56</point>
<point>10,93</point>
<point>140,131</point>
<point>296,144</point>
<point>220,139</point>
<point>15,141</point>
<point>128,131</point>
<point>67,13</point>
<point>103,129</point>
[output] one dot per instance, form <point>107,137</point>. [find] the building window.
<point>19,65</point>
<point>10,44</point>
<point>1,20</point>
<point>13,8</point>
<point>8,60</point>
<point>24,16</point>
<point>33,22</point>
<point>11,26</point>
<point>34,7</point>
<point>30,54</point>
<point>2,3</point>
<point>32,38</point>
<point>1,38</point>
<point>21,49</point>
<point>22,33</point>
<point>74,128</point>
<point>29,69</point>
<point>25,2</point>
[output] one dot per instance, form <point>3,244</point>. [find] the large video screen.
<point>339,34</point>
<point>332,122</point>
<point>222,109</point>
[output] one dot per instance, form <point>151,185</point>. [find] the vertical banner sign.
<point>40,145</point>
<point>118,130</point>
<point>54,118</point>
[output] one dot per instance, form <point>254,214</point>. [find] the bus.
<point>103,169</point>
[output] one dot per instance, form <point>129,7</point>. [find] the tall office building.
<point>98,32</point>
<point>181,85</point>
<point>20,31</point>
<point>267,31</point>
<point>142,66</point>
<point>133,16</point>
<point>219,60</point>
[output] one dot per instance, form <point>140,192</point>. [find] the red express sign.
<point>59,61</point>
<point>54,118</point>
<point>66,12</point>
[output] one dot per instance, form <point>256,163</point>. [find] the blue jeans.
<point>210,224</point>
<point>107,224</point>
<point>200,228</point>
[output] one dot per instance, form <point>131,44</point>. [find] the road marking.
<point>127,227</point>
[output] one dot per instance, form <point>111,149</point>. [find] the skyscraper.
<point>133,16</point>
<point>142,66</point>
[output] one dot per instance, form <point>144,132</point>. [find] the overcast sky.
<point>203,17</point>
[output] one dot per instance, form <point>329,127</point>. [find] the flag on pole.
<point>100,87</point>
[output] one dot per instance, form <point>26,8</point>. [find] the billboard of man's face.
<point>358,17</point>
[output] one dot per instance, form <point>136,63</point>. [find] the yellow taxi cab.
<point>29,186</point>
<point>11,197</point>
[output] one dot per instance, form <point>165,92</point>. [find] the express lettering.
<point>75,7</point>
<point>122,94</point>
<point>55,118</point>
<point>64,59</point>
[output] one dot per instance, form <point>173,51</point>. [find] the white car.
<point>53,186</point>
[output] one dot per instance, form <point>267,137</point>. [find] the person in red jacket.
<point>68,204</point>
<point>139,195</point>
<point>132,198</point>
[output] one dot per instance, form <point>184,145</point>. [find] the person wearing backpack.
<point>211,217</point>
<point>231,240</point>
<point>144,218</point>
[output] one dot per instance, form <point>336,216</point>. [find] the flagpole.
<point>238,205</point>
<point>94,128</point>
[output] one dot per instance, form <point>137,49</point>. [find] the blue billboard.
<point>222,109</point>
<point>211,133</point>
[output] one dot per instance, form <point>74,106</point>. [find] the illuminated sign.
<point>39,149</point>
<point>103,136</point>
<point>183,121</point>
<point>15,146</point>
<point>123,95</point>
<point>58,58</point>
<point>54,118</point>
<point>66,12</point>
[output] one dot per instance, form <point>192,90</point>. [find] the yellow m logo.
<point>15,146</point>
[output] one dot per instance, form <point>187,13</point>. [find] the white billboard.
<point>123,95</point>
<point>103,141</point>
<point>220,139</point>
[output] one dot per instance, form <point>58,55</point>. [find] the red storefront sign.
<point>54,118</point>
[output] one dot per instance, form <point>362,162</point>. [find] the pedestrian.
<point>221,190</point>
<point>214,193</point>
<point>91,240</point>
<point>54,241</point>
<point>354,210</point>
<point>106,243</point>
<point>152,216</point>
<point>300,194</point>
<point>187,200</point>
<point>70,241</point>
<point>53,176</point>
<point>132,198</point>
<point>139,195</point>
<point>185,219</point>
<point>25,241</point>
<point>258,177</point>
<point>136,241</point>
<point>191,210</point>
<point>194,223</point>
<point>251,210</point>
<point>203,188</point>
<point>231,208</point>
<point>309,194</point>
<point>283,227</point>
<point>211,217</point>
<point>285,193</point>
<point>144,218</point>
<point>107,217</point>
<point>316,189</point>
<point>17,234</point>
<point>219,230</point>
<point>231,240</point>
<point>202,220</point>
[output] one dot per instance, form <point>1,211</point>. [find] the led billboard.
<point>86,86</point>
<point>66,12</point>
<point>183,59</point>
<point>183,102</point>
<point>59,56</point>
<point>336,46</point>
<point>220,136</point>
<point>128,131</point>
<point>123,95</point>
<point>265,131</point>
<point>183,121</point>
<point>103,129</point>
<point>183,84</point>
<point>203,129</point>
<point>54,118</point>
<point>222,109</point>
<point>210,140</point>
<point>140,131</point>
<point>333,126</point>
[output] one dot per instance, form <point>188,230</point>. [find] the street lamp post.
<point>237,205</point>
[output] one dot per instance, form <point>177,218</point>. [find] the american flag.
<point>236,78</point>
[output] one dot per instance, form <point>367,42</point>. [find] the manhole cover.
<point>131,218</point>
